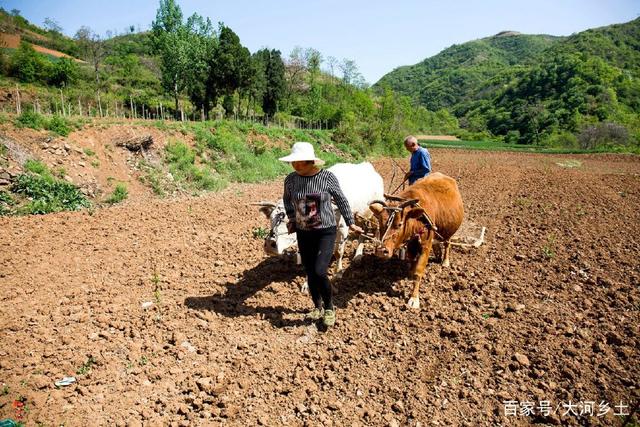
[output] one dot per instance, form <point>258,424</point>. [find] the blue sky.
<point>378,35</point>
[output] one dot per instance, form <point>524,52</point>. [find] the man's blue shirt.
<point>420,164</point>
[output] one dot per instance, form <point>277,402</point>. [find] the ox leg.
<point>341,241</point>
<point>445,253</point>
<point>417,273</point>
<point>358,256</point>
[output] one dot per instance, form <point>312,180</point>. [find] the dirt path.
<point>546,310</point>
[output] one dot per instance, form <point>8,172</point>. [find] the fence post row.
<point>147,113</point>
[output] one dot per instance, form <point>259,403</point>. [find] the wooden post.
<point>62,102</point>
<point>99,103</point>
<point>18,102</point>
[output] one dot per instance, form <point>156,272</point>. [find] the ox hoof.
<point>446,263</point>
<point>304,288</point>
<point>357,259</point>
<point>414,303</point>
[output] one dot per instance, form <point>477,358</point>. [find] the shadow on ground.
<point>372,275</point>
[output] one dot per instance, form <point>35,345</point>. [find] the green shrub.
<point>59,125</point>
<point>28,65</point>
<point>562,139</point>
<point>30,119</point>
<point>119,194</point>
<point>48,194</point>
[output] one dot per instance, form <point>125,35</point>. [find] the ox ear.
<point>376,208</point>
<point>266,210</point>
<point>265,207</point>
<point>416,213</point>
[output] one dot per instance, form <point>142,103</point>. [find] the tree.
<point>257,84</point>
<point>94,51</point>
<point>275,88</point>
<point>170,42</point>
<point>350,73</point>
<point>295,68</point>
<point>201,43</point>
<point>63,72</point>
<point>332,62</point>
<point>52,25</point>
<point>230,68</point>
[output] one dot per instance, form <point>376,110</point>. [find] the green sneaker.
<point>329,318</point>
<point>315,314</point>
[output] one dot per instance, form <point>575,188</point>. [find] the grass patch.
<point>6,203</point>
<point>181,162</point>
<point>60,172</point>
<point>36,166</point>
<point>56,124</point>
<point>89,152</point>
<point>119,194</point>
<point>503,146</point>
<point>85,368</point>
<point>155,178</point>
<point>548,251</point>
<point>229,151</point>
<point>157,296</point>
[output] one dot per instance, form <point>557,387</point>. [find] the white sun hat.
<point>300,152</point>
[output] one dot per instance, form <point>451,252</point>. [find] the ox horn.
<point>264,204</point>
<point>406,203</point>
<point>394,198</point>
<point>382,202</point>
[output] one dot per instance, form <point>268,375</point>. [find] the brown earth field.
<point>12,41</point>
<point>167,312</point>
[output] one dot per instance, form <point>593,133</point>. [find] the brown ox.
<point>429,209</point>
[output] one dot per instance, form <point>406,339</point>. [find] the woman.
<point>307,200</point>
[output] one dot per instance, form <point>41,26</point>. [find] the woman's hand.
<point>356,229</point>
<point>291,227</point>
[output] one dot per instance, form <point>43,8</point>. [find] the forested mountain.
<point>459,73</point>
<point>580,90</point>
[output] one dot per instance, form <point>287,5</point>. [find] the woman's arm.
<point>338,196</point>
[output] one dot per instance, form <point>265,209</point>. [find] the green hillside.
<point>579,91</point>
<point>460,73</point>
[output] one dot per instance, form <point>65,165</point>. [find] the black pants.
<point>316,249</point>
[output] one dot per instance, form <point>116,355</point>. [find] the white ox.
<point>361,185</point>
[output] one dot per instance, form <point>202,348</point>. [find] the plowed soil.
<point>167,312</point>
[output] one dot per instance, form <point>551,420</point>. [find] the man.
<point>420,163</point>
